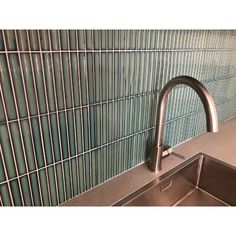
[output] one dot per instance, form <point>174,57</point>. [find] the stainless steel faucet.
<point>209,106</point>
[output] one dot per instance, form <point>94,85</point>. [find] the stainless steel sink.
<point>199,181</point>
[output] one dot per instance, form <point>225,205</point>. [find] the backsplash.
<point>79,107</point>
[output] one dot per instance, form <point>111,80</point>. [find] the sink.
<point>201,180</point>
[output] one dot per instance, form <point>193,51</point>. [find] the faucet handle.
<point>166,150</point>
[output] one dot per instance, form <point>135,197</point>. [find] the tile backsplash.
<point>79,107</point>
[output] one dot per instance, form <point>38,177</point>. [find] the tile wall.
<point>79,107</point>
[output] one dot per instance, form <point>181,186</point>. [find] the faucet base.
<point>156,159</point>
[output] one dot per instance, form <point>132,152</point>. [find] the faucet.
<point>209,106</point>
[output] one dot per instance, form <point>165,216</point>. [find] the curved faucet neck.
<point>208,103</point>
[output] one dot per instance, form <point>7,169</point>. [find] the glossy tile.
<point>78,107</point>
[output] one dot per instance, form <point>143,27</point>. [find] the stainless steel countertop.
<point>221,145</point>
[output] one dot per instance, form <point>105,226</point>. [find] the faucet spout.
<point>209,107</point>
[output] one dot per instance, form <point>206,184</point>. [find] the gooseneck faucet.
<point>209,106</point>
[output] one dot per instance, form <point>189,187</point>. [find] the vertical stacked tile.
<point>79,107</point>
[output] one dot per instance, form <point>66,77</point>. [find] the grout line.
<point>123,50</point>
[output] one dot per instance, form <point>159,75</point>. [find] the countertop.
<point>221,145</point>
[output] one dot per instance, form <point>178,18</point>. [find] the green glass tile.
<point>103,77</point>
<point>58,80</point>
<point>29,85</point>
<point>7,89</point>
<point>72,39</point>
<point>89,39</point>
<point>67,79</point>
<point>10,40</point>
<point>28,144</point>
<point>110,122</point>
<point>7,152</point>
<point>88,168</point>
<point>67,179</point>
<point>38,142</point>
<point>52,183</point>
<point>22,39</point>
<point>110,77</point>
<point>97,77</point>
<point>97,125</point>
<point>34,40</point>
<point>54,39</point>
<point>49,81</point>
<point>26,192</point>
<point>4,191</point>
<point>83,78</point>
<point>86,129</point>
<point>2,117</point>
<point>96,39</point>
<point>74,176</point>
<point>94,169</point>
<point>103,124</point>
<point>62,193</point>
<point>63,39</point>
<point>72,133</point>
<point>39,82</point>
<point>82,173</point>
<point>115,120</point>
<point>44,39</point>
<point>1,42</point>
<point>44,187</point>
<point>93,128</point>
<point>75,79</point>
<point>55,136</point>
<point>116,75</point>
<point>2,173</point>
<point>79,130</point>
<point>18,148</point>
<point>64,138</point>
<point>16,193</point>
<point>35,189</point>
<point>47,139</point>
<point>90,72</point>
<point>80,35</point>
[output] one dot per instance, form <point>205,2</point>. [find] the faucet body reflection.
<point>209,106</point>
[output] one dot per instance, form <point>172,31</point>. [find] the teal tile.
<point>102,81</point>
<point>45,187</point>
<point>15,189</point>
<point>49,82</point>
<point>24,182</point>
<point>36,189</point>
<point>5,195</point>
<point>8,155</point>
<point>61,182</point>
<point>34,40</point>
<point>44,39</point>
<point>53,183</point>
<point>30,86</point>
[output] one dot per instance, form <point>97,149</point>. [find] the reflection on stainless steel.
<point>209,106</point>
<point>200,181</point>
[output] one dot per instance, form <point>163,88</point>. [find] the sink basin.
<point>201,180</point>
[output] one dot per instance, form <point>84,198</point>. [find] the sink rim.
<point>135,194</point>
